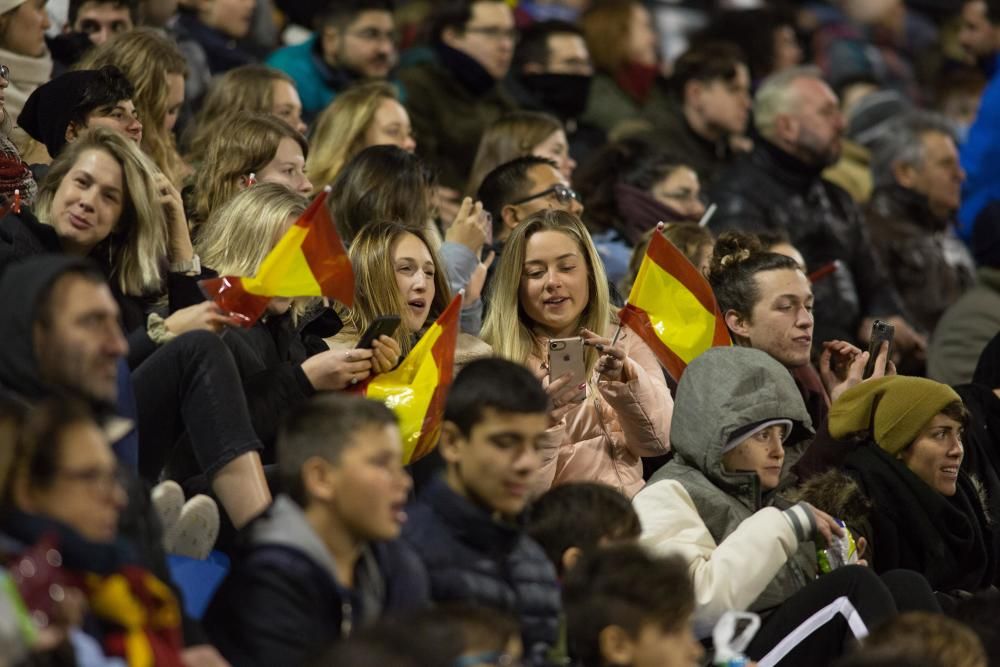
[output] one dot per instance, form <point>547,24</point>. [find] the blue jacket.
<point>980,156</point>
<point>471,557</point>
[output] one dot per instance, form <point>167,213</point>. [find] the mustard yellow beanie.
<point>903,406</point>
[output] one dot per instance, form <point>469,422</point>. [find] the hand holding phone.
<point>383,325</point>
<point>566,357</point>
<point>882,332</point>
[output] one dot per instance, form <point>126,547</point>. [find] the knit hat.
<point>50,107</point>
<point>742,434</point>
<point>985,242</point>
<point>7,5</point>
<point>903,406</point>
<point>15,175</point>
<point>870,119</point>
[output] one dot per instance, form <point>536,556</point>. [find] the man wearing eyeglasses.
<point>453,99</point>
<point>355,41</point>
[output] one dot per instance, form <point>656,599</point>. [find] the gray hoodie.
<point>721,391</point>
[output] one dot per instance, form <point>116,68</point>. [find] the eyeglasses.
<point>4,73</point>
<point>495,33</point>
<point>563,194</point>
<point>96,478</point>
<point>684,196</point>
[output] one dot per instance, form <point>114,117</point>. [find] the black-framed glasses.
<point>5,72</point>
<point>563,194</point>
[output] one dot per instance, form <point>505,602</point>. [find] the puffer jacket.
<point>771,191</point>
<point>473,557</point>
<point>927,264</point>
<point>742,552</point>
<point>604,439</point>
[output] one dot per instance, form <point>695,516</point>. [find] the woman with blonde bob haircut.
<point>366,115</point>
<point>253,148</point>
<point>518,134</point>
<point>250,88</point>
<point>156,68</point>
<point>289,339</point>
<point>551,277</point>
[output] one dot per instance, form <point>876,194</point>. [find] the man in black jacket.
<point>322,561</point>
<point>467,526</point>
<point>778,187</point>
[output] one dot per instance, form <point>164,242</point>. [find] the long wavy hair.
<point>244,145</point>
<point>146,58</point>
<point>246,89</point>
<point>511,136</point>
<point>136,250</point>
<point>375,289</point>
<point>339,132</point>
<point>514,337</point>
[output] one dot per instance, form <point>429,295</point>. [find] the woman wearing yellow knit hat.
<point>928,516</point>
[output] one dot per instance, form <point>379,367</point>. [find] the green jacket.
<point>965,329</point>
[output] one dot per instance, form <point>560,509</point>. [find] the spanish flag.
<point>416,391</point>
<point>672,308</point>
<point>309,260</point>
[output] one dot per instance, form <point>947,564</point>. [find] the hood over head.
<point>22,287</point>
<point>722,392</point>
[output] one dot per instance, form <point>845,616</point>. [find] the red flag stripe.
<point>442,351</point>
<point>671,260</point>
<point>328,268</point>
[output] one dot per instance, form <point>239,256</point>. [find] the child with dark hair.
<point>467,525</point>
<point>321,560</point>
<point>572,520</point>
<point>625,606</point>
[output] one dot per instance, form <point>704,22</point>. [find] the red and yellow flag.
<point>308,260</point>
<point>416,391</point>
<point>672,308</point>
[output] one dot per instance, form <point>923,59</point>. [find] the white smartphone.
<point>566,356</point>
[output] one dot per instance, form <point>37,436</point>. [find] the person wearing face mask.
<point>601,425</point>
<point>905,438</point>
<point>629,187</point>
<point>552,72</point>
<point>355,41</point>
<point>454,98</point>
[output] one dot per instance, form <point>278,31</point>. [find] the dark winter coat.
<point>769,190</point>
<point>472,557</point>
<point>282,604</point>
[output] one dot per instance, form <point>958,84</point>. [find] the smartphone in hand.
<point>881,332</point>
<point>566,355</point>
<point>383,325</point>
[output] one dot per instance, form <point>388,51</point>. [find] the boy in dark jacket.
<point>321,560</point>
<point>467,525</point>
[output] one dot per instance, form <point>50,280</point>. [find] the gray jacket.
<point>722,391</point>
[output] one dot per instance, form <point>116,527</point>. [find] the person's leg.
<point>191,384</point>
<point>817,624</point>
<point>911,591</point>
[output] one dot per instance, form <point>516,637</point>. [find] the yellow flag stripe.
<point>285,271</point>
<point>408,389</point>
<point>667,302</point>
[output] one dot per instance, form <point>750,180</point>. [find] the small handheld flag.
<point>672,308</point>
<point>309,260</point>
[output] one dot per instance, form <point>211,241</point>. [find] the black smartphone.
<point>383,325</point>
<point>881,332</point>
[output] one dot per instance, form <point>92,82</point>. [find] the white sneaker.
<point>168,499</point>
<point>196,530</point>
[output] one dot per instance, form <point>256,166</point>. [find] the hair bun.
<point>734,248</point>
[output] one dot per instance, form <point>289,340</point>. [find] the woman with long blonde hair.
<point>366,115</point>
<point>515,135</point>
<point>255,148</point>
<point>550,284</point>
<point>246,89</point>
<point>157,69</point>
<point>286,346</point>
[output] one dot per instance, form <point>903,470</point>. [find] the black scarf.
<point>916,528</point>
<point>466,69</point>
<point>565,95</point>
